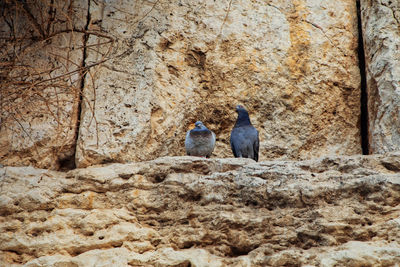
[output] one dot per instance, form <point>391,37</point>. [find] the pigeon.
<point>244,137</point>
<point>199,141</point>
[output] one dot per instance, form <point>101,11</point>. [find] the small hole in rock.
<point>67,163</point>
<point>158,178</point>
<point>188,245</point>
<point>236,251</point>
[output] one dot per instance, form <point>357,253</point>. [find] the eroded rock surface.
<point>293,64</point>
<point>381,24</point>
<point>187,211</point>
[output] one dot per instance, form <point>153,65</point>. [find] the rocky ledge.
<point>187,211</point>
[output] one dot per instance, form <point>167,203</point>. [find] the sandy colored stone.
<point>293,64</point>
<point>354,253</point>
<point>363,254</point>
<point>176,211</point>
<point>380,26</point>
<point>39,81</point>
<point>124,257</point>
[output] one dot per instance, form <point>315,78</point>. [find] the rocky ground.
<point>187,211</point>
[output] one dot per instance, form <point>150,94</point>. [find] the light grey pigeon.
<point>244,137</point>
<point>199,141</point>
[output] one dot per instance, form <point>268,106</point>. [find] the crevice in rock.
<point>67,163</point>
<point>239,251</point>
<point>83,77</point>
<point>364,93</point>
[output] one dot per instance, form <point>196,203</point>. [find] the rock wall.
<point>40,81</point>
<point>155,68</point>
<point>293,64</point>
<point>187,211</point>
<point>381,31</point>
<point>151,69</point>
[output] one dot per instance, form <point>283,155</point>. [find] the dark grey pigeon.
<point>199,141</point>
<point>244,137</point>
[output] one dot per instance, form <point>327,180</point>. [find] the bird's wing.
<point>187,137</point>
<point>256,147</point>
<point>213,139</point>
<point>188,143</point>
<point>232,143</point>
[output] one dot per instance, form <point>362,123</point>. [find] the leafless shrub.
<point>43,45</point>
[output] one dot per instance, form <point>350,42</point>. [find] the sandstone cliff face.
<point>381,22</point>
<point>166,64</point>
<point>186,211</point>
<point>293,64</point>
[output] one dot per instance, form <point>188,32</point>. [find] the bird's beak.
<point>191,126</point>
